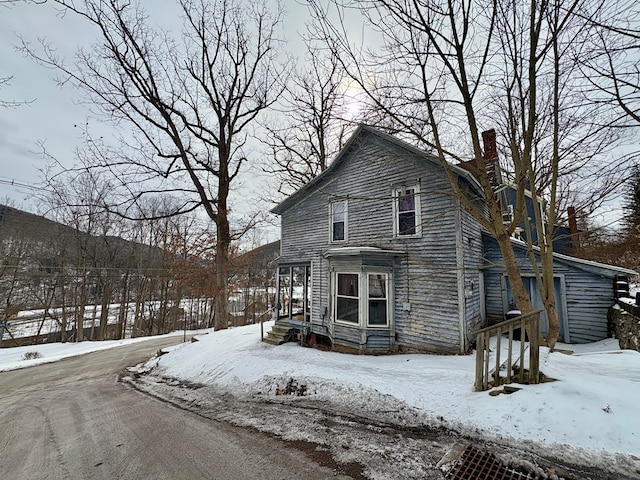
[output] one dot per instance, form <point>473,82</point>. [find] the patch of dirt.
<point>322,455</point>
<point>352,444</point>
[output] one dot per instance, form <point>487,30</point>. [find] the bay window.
<point>362,299</point>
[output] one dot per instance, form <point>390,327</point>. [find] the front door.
<point>294,294</point>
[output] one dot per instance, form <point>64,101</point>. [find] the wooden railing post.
<point>510,369</point>
<point>529,325</point>
<point>496,373</point>
<point>523,339</point>
<point>487,349</point>
<point>479,361</point>
<point>534,351</point>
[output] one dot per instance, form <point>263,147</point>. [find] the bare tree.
<point>610,60</point>
<point>75,199</point>
<point>314,121</point>
<point>187,105</point>
<point>443,71</point>
<point>4,82</point>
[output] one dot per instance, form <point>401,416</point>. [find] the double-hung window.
<point>339,217</point>
<point>407,222</point>
<point>362,299</point>
<point>377,299</point>
<point>347,297</point>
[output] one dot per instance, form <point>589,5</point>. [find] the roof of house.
<point>361,131</point>
<point>586,265</point>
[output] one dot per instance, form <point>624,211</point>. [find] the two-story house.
<point>377,254</point>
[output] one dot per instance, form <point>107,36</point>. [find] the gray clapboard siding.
<point>471,239</point>
<point>425,273</point>
<point>588,299</point>
<point>587,294</point>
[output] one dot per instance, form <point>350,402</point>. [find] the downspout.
<point>461,280</point>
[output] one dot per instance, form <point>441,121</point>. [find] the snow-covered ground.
<point>14,358</point>
<point>593,406</point>
<point>590,415</point>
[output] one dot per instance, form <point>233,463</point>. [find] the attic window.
<point>407,212</point>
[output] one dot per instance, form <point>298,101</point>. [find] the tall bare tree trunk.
<point>104,313</point>
<point>222,269</point>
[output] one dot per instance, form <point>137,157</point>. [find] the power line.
<point>12,182</point>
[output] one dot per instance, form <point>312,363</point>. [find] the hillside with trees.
<point>71,279</point>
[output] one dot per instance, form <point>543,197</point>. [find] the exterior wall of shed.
<point>587,295</point>
<point>425,275</point>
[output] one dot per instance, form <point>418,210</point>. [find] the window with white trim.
<point>377,300</point>
<point>347,297</point>
<point>407,222</point>
<point>362,299</point>
<point>339,215</point>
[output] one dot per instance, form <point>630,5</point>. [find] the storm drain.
<point>477,465</point>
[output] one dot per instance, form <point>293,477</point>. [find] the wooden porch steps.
<point>510,362</point>
<point>488,356</point>
<point>279,335</point>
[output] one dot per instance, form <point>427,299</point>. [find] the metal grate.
<point>477,465</point>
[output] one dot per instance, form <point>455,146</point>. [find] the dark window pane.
<point>347,309</point>
<point>348,284</point>
<point>377,312</point>
<point>284,270</point>
<point>407,223</point>
<point>338,231</point>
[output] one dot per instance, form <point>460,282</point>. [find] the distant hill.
<point>263,255</point>
<point>13,221</point>
<point>18,223</point>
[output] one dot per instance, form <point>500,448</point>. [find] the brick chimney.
<point>491,157</point>
<point>573,229</point>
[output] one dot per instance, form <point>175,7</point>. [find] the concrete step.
<point>281,330</point>
<point>278,335</point>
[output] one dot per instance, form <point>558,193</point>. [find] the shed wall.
<point>587,295</point>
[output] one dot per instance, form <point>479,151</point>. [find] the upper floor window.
<point>339,221</point>
<point>407,211</point>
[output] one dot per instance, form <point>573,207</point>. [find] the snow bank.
<point>591,409</point>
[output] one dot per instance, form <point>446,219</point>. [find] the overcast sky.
<point>54,114</point>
